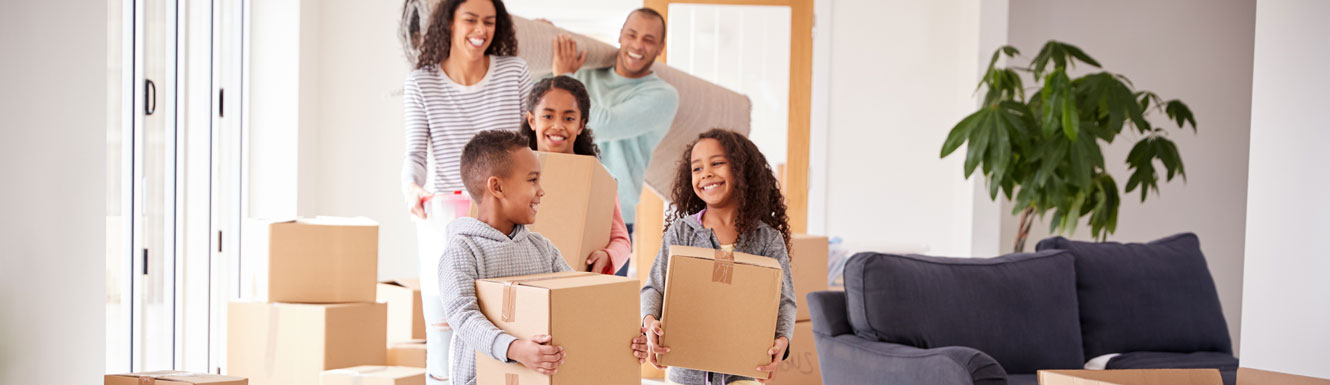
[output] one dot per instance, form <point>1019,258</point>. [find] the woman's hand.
<point>651,327</point>
<point>537,354</point>
<point>566,58</point>
<point>597,260</point>
<point>414,196</point>
<point>777,351</point>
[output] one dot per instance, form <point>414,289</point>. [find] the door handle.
<point>149,97</point>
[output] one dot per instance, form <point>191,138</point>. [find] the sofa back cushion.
<point>1155,296</point>
<point>1020,308</point>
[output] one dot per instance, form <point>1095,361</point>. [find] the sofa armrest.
<point>827,310</point>
<point>847,359</point>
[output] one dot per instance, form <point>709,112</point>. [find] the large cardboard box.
<point>1249,376</point>
<point>720,310</point>
<point>311,260</point>
<point>808,266</point>
<point>594,317</point>
<point>406,316</point>
<point>285,343</point>
<point>171,377</point>
<point>1130,377</point>
<point>373,375</point>
<point>409,354</point>
<point>801,368</point>
<point>578,205</point>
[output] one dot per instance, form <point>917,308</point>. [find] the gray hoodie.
<point>477,251</point>
<point>688,231</point>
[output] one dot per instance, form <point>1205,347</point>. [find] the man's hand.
<point>414,199</point>
<point>566,58</point>
<point>597,261</point>
<point>651,327</point>
<point>777,351</point>
<point>537,354</point>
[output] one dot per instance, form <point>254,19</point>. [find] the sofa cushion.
<point>1020,309</point>
<point>1155,296</point>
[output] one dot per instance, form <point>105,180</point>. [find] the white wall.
<point>1285,309</point>
<point>1199,51</point>
<point>52,162</point>
<point>902,74</point>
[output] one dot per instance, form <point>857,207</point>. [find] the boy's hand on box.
<point>777,351</point>
<point>597,261</point>
<point>651,327</point>
<point>640,349</point>
<point>537,354</point>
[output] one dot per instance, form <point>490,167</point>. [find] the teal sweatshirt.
<point>628,118</point>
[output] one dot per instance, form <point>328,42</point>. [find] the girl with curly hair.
<point>725,197</point>
<point>468,79</point>
<point>556,122</point>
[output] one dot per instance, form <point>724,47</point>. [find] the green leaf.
<point>958,133</point>
<point>978,142</point>
<point>1071,121</point>
<point>1080,55</point>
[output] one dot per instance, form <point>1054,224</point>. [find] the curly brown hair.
<point>759,196</point>
<point>439,36</point>
<point>585,143</point>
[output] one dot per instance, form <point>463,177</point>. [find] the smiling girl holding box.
<point>725,197</point>
<point>556,122</point>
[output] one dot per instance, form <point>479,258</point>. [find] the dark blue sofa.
<point>909,319</point>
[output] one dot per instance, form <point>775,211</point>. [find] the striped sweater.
<point>441,116</point>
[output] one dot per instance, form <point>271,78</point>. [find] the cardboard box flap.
<point>338,221</point>
<point>182,377</point>
<point>554,281</point>
<point>409,283</point>
<point>739,258</point>
<point>1131,377</point>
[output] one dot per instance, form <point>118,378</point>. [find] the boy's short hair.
<point>488,154</point>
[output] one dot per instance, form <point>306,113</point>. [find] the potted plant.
<point>1043,151</point>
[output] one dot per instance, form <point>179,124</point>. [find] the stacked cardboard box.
<point>315,310</point>
<point>409,354</point>
<point>808,266</point>
<point>1130,377</point>
<point>592,316</point>
<point>406,317</point>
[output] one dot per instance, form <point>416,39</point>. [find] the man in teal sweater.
<point>631,108</point>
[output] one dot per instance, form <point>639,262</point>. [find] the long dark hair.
<point>585,143</point>
<point>759,196</point>
<point>439,37</point>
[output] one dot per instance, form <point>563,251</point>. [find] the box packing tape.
<point>722,270</point>
<point>510,379</point>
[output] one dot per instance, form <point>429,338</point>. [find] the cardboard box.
<point>594,317</point>
<point>285,343</point>
<point>1130,377</point>
<point>808,266</point>
<point>704,291</point>
<point>373,375</point>
<point>314,260</point>
<point>408,354</point>
<point>1249,376</point>
<point>801,368</point>
<point>578,205</point>
<point>406,317</point>
<point>170,377</point>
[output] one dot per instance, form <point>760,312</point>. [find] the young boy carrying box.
<point>503,177</point>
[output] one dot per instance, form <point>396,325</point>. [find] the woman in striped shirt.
<point>468,79</point>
